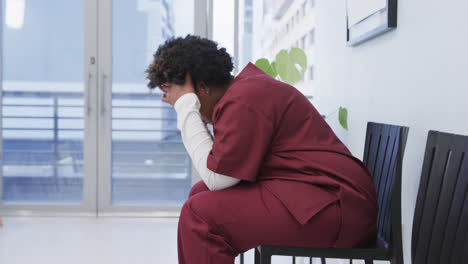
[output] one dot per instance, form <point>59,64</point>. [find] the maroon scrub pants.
<point>215,226</point>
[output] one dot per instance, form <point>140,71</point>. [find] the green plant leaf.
<point>343,117</point>
<point>298,56</point>
<point>286,68</point>
<point>265,66</point>
<point>273,65</point>
<point>282,59</point>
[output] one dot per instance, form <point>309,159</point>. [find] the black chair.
<point>383,155</point>
<point>440,225</point>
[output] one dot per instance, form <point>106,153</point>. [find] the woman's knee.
<point>193,211</point>
<point>198,188</point>
<point>199,206</point>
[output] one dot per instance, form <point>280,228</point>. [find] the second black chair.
<point>440,227</point>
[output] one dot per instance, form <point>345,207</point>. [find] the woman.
<point>275,174</point>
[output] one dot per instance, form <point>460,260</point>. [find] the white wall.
<point>415,76</point>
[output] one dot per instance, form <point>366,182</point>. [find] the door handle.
<point>88,94</point>
<point>103,94</point>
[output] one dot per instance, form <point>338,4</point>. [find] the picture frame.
<point>374,25</point>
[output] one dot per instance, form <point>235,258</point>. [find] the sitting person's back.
<point>288,142</point>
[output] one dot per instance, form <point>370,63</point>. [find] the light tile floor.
<point>65,240</point>
<point>88,241</point>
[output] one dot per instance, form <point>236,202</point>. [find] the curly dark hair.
<point>200,57</point>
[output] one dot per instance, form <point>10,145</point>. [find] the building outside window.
<point>303,42</point>
<point>281,24</point>
<point>311,73</point>
<point>312,37</point>
<point>312,3</point>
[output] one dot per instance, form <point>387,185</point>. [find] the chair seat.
<point>375,252</point>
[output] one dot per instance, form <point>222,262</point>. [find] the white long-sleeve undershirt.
<point>198,142</point>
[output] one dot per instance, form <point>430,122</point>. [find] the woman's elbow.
<point>221,184</point>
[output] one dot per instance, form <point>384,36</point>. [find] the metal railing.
<point>43,143</point>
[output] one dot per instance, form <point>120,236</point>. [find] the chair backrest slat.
<point>385,185</point>
<point>380,158</point>
<point>459,217</point>
<point>459,210</point>
<point>383,155</point>
<point>440,222</point>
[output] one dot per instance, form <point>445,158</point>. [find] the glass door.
<point>80,131</point>
<point>144,167</point>
<point>48,131</point>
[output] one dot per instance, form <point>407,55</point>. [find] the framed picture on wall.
<point>367,19</point>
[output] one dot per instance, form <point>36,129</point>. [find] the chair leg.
<point>323,261</point>
<point>396,259</point>
<point>369,261</point>
<point>241,258</point>
<point>265,258</point>
<point>257,256</point>
<point>294,260</point>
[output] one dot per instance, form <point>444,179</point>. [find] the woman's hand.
<point>173,91</point>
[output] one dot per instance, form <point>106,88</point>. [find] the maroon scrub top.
<point>266,130</point>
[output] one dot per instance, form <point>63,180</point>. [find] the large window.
<point>80,130</point>
<point>78,124</point>
<point>42,101</point>
<point>149,162</point>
